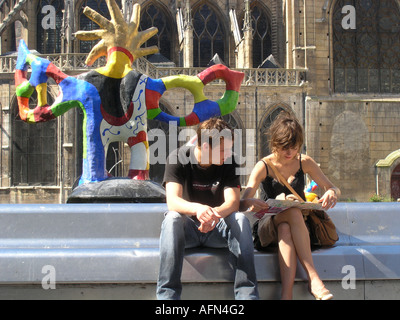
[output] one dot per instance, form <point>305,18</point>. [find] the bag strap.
<point>282,180</point>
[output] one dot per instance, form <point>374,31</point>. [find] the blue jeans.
<point>179,232</point>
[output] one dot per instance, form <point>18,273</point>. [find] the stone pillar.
<point>244,45</point>
<point>247,42</point>
<point>67,26</point>
<point>290,34</point>
<point>187,44</point>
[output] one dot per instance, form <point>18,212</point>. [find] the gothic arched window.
<point>157,169</point>
<point>86,24</point>
<point>265,124</point>
<point>261,24</point>
<point>395,183</point>
<point>34,149</point>
<point>154,16</point>
<point>48,34</point>
<point>208,36</point>
<point>366,54</point>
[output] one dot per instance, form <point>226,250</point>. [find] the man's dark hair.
<point>212,129</point>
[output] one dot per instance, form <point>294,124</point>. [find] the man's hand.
<point>208,218</point>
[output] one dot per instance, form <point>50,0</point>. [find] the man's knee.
<point>172,220</point>
<point>173,216</point>
<point>239,218</point>
<point>239,225</point>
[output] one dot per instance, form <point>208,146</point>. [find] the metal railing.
<point>75,63</point>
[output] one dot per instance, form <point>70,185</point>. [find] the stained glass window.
<point>48,39</point>
<point>34,150</point>
<point>208,36</point>
<point>261,36</point>
<point>85,23</point>
<point>154,16</point>
<point>367,57</point>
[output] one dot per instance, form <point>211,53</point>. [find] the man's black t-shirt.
<point>201,185</point>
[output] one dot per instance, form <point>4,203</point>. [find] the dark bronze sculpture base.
<point>118,190</point>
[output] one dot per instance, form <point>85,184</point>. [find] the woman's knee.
<point>284,231</point>
<point>291,215</point>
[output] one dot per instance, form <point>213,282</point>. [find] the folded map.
<point>276,206</point>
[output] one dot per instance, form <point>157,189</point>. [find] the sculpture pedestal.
<point>118,190</point>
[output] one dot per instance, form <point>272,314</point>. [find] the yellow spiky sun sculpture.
<point>117,33</point>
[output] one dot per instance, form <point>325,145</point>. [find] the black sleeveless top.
<point>270,188</point>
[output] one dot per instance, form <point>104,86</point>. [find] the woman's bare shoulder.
<point>307,162</point>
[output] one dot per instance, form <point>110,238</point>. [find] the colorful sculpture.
<point>115,99</point>
<point>309,194</point>
<point>312,186</point>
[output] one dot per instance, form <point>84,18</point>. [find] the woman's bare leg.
<point>287,260</point>
<point>301,240</point>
